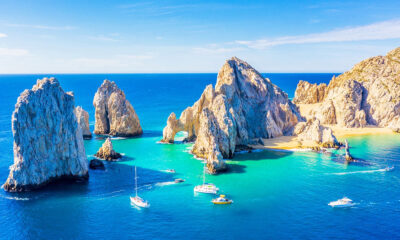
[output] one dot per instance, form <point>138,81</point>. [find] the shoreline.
<point>291,143</point>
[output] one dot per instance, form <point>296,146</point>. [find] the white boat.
<point>342,203</point>
<point>222,200</point>
<point>389,169</point>
<point>136,200</point>
<point>206,187</point>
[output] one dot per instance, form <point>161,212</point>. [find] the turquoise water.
<point>277,195</point>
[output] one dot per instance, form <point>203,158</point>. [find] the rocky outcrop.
<point>114,114</point>
<point>243,107</point>
<point>368,94</point>
<point>107,152</point>
<point>48,143</point>
<point>347,155</point>
<point>313,131</point>
<point>83,120</point>
<point>309,93</point>
<point>96,164</point>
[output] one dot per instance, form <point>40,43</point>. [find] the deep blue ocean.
<point>277,195</point>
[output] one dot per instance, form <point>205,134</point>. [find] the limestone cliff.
<point>368,94</point>
<point>313,131</point>
<point>83,120</point>
<point>243,107</point>
<point>114,114</point>
<point>48,143</point>
<point>107,152</point>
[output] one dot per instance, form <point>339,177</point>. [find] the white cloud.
<point>214,49</point>
<point>40,26</point>
<point>104,38</point>
<point>3,35</point>
<point>13,52</point>
<point>376,31</point>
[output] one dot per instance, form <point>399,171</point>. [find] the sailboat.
<point>206,187</point>
<point>136,200</point>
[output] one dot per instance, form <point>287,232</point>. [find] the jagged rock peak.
<point>114,114</point>
<point>48,143</point>
<point>107,151</point>
<point>243,106</point>
<point>368,94</point>
<point>83,120</point>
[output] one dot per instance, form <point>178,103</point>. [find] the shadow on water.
<point>146,134</point>
<point>116,179</point>
<point>235,168</point>
<point>262,155</point>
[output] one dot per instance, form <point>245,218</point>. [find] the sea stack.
<point>48,143</point>
<point>107,152</point>
<point>368,94</point>
<point>242,108</point>
<point>114,114</point>
<point>83,120</point>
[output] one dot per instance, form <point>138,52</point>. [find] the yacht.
<point>170,171</point>
<point>341,203</point>
<point>206,187</point>
<point>222,200</point>
<point>136,200</point>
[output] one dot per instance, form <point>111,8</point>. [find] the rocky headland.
<point>48,143</point>
<point>114,114</point>
<point>367,95</point>
<point>83,120</point>
<point>243,108</point>
<point>107,152</point>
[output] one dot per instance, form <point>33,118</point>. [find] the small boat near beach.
<point>222,200</point>
<point>389,169</point>
<point>342,203</point>
<point>136,200</point>
<point>179,180</point>
<point>170,171</point>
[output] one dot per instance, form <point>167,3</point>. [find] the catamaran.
<point>206,187</point>
<point>138,201</point>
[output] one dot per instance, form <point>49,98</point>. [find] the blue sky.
<point>193,36</point>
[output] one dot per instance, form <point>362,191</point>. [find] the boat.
<point>136,200</point>
<point>341,203</point>
<point>389,169</point>
<point>222,200</point>
<point>179,180</point>
<point>170,171</point>
<point>206,187</point>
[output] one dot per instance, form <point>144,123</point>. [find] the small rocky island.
<point>107,152</point>
<point>83,120</point>
<point>367,95</point>
<point>48,143</point>
<point>243,108</point>
<point>114,114</point>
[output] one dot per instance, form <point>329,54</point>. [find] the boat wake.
<point>366,171</point>
<point>161,184</point>
<point>16,198</point>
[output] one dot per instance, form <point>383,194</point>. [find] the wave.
<point>355,172</point>
<point>118,138</point>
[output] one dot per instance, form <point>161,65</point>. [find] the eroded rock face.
<point>368,94</point>
<point>83,120</point>
<point>114,114</point>
<point>107,152</point>
<point>48,143</point>
<point>243,107</point>
<point>309,93</point>
<point>312,130</point>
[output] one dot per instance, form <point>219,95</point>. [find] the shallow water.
<point>277,194</point>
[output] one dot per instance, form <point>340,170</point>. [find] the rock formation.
<point>243,107</point>
<point>114,114</point>
<point>313,131</point>
<point>83,120</point>
<point>48,143</point>
<point>107,152</point>
<point>96,164</point>
<point>368,94</point>
<point>347,155</point>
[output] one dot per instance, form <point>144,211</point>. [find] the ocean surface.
<point>277,194</point>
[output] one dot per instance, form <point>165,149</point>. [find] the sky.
<point>175,36</point>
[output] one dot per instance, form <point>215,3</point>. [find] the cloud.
<point>104,38</point>
<point>376,31</point>
<point>3,35</point>
<point>215,49</point>
<point>13,52</point>
<point>40,26</point>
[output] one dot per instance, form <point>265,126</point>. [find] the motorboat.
<point>136,200</point>
<point>389,169</point>
<point>170,171</point>
<point>341,203</point>
<point>222,200</point>
<point>179,180</point>
<point>206,187</point>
